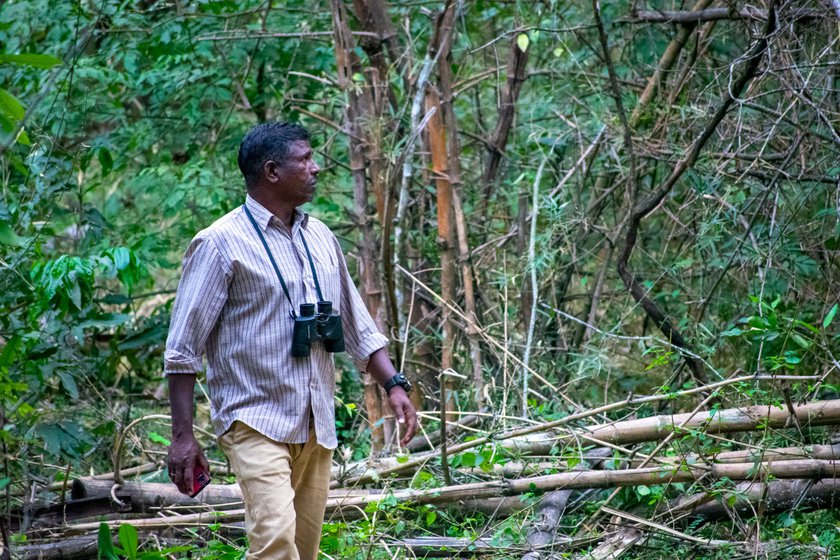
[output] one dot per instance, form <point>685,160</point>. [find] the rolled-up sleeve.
<point>361,336</point>
<point>202,292</point>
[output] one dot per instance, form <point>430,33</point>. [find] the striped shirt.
<point>231,307</point>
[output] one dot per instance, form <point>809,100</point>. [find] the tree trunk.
<point>360,109</point>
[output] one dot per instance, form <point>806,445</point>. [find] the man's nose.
<point>314,169</point>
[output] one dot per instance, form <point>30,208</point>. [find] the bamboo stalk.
<point>796,469</point>
<point>826,452</point>
<point>819,413</point>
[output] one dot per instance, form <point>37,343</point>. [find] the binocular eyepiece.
<point>309,327</point>
<point>308,309</point>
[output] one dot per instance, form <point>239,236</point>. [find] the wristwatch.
<point>400,380</point>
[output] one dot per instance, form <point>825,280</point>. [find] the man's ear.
<point>271,171</point>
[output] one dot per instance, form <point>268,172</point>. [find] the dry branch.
<point>753,58</point>
<point>717,14</point>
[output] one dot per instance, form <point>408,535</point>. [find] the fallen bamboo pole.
<point>825,452</point>
<point>769,498</point>
<point>795,469</point>
<point>818,413</point>
<point>165,494</point>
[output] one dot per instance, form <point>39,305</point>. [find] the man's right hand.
<point>184,455</point>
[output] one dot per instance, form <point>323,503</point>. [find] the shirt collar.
<point>265,218</point>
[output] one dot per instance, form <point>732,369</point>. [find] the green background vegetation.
<point>120,125</point>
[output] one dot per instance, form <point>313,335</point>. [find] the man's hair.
<point>264,142</point>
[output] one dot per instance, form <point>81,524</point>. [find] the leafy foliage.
<point>119,124</point>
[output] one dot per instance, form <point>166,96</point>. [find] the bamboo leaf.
<point>522,42</point>
<point>11,106</point>
<point>35,60</point>
<point>129,540</point>
<point>830,316</point>
<point>106,547</point>
<point>8,236</point>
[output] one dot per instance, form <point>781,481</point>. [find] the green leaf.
<point>642,490</point>
<point>128,540</point>
<point>121,257</point>
<point>36,60</point>
<point>157,438</point>
<point>8,236</point>
<point>830,316</point>
<point>800,340</point>
<point>69,384</point>
<point>106,547</point>
<point>11,351</point>
<point>522,42</point>
<point>732,332</point>
<point>11,106</point>
<point>106,161</point>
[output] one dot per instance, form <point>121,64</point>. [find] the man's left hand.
<point>405,413</point>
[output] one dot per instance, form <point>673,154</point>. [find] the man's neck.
<point>285,213</point>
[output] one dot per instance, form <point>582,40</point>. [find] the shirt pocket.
<point>328,277</point>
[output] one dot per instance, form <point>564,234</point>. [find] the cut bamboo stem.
<point>353,502</point>
<point>818,413</point>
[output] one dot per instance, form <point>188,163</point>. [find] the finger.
<point>410,429</point>
<point>202,460</point>
<point>409,423</point>
<point>413,423</point>
<point>188,478</point>
<point>177,476</point>
<point>398,411</point>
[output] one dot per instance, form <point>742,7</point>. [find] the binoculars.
<point>325,325</point>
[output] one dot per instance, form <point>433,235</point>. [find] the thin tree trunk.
<point>517,63</point>
<point>450,125</point>
<point>443,189</point>
<point>358,110</point>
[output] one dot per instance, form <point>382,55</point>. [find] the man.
<point>243,279</point>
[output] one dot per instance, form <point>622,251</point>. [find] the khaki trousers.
<point>284,487</point>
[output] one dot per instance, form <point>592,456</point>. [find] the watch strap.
<point>398,379</point>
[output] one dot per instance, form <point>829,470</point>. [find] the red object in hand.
<point>201,478</point>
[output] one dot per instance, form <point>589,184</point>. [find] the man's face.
<point>296,177</point>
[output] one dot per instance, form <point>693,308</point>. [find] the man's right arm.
<point>202,293</point>
<point>184,451</point>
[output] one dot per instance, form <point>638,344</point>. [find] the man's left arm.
<point>382,369</point>
<point>367,346</point>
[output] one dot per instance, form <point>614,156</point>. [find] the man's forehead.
<point>299,147</point>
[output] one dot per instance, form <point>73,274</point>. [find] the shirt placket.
<point>311,297</point>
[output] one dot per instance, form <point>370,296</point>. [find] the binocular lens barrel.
<point>307,309</point>
<point>325,307</point>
